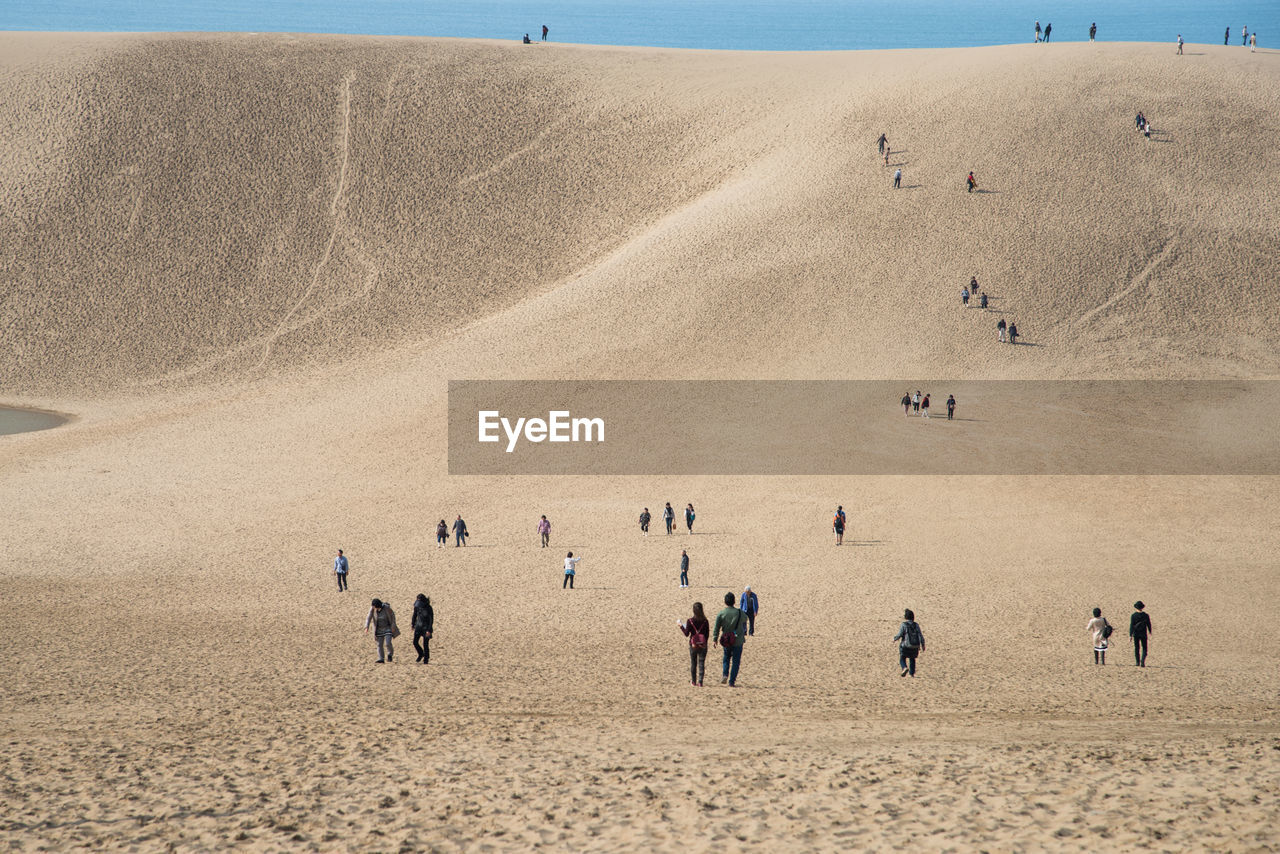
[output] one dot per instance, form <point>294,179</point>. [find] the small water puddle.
<point>26,420</point>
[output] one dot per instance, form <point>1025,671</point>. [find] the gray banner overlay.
<point>815,427</point>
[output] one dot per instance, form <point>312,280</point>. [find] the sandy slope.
<point>249,265</point>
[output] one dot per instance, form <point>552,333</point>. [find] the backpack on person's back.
<point>911,635</point>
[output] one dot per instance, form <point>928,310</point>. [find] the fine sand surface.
<point>247,267</point>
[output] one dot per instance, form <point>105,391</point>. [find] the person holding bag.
<point>729,635</point>
<point>697,629</point>
<point>383,622</point>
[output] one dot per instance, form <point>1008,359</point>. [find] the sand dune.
<point>248,266</point>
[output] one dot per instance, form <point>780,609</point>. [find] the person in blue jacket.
<point>750,605</point>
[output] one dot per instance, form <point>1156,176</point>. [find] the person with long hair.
<point>424,620</point>
<point>697,629</point>
<point>1099,630</point>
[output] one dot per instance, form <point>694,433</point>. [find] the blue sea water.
<point>708,24</point>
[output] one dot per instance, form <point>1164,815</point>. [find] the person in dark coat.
<point>1139,629</point>
<point>424,620</point>
<point>459,532</point>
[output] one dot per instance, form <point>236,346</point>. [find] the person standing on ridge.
<point>424,621</point>
<point>1226,39</point>
<point>1179,44</point>
<point>684,569</point>
<point>951,407</point>
<point>1244,38</point>
<point>459,532</point>
<point>340,567</point>
<point>1093,31</point>
<point>697,629</point>
<point>910,643</point>
<point>383,622</point>
<point>644,521</point>
<point>570,570</point>
<point>882,142</point>
<point>1100,631</point>
<point>1139,628</point>
<point>971,182</point>
<point>544,528</point>
<point>1037,32</point>
<point>1048,28</point>
<point>897,177</point>
<point>1253,42</point>
<point>544,32</point>
<point>750,604</point>
<point>669,516</point>
<point>729,636</point>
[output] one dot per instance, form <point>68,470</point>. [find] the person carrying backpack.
<point>697,629</point>
<point>729,636</point>
<point>1100,631</point>
<point>837,525</point>
<point>910,643</point>
<point>688,518</point>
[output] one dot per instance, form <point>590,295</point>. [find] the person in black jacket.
<point>1139,628</point>
<point>424,620</point>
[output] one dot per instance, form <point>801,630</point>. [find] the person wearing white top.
<point>1098,631</point>
<point>570,568</point>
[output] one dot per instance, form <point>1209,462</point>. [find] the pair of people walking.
<point>729,633</point>
<point>382,622</point>
<point>1140,630</point>
<point>669,518</point>
<point>459,533</point>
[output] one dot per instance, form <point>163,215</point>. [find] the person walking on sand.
<point>1100,632</point>
<point>750,604</point>
<point>882,142</point>
<point>973,285</point>
<point>697,629</point>
<point>897,177</point>
<point>1048,28</point>
<point>544,528</point>
<point>669,516</point>
<point>924,407</point>
<point>570,570</point>
<point>964,297</point>
<point>340,568</point>
<point>729,636</point>
<point>951,407</point>
<point>1253,42</point>
<point>1013,332</point>
<point>459,532</point>
<point>1226,39</point>
<point>1093,31</point>
<point>544,32</point>
<point>688,518</point>
<point>383,622</point>
<point>1179,44</point>
<point>915,401</point>
<point>910,642</point>
<point>887,152</point>
<point>971,182</point>
<point>906,404</point>
<point>644,521</point>
<point>1139,628</point>
<point>424,621</point>
<point>1244,35</point>
<point>1002,329</point>
<point>1037,32</point>
<point>837,525</point>
<point>442,534</point>
<point>982,302</point>
<point>684,569</point>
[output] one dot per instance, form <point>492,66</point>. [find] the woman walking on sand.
<point>924,407</point>
<point>544,528</point>
<point>910,643</point>
<point>1100,631</point>
<point>644,521</point>
<point>383,622</point>
<point>669,516</point>
<point>424,621</point>
<point>442,534</point>
<point>688,518</point>
<point>697,629</point>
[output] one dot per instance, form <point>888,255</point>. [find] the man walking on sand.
<point>882,142</point>
<point>1139,628</point>
<point>897,179</point>
<point>1179,44</point>
<point>544,528</point>
<point>1048,28</point>
<point>383,622</point>
<point>750,606</point>
<point>951,407</point>
<point>1226,39</point>
<point>728,634</point>
<point>1037,32</point>
<point>544,32</point>
<point>459,532</point>
<point>971,182</point>
<point>1093,31</point>
<point>684,569</point>
<point>340,568</point>
<point>669,516</point>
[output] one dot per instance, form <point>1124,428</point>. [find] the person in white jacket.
<point>1097,629</point>
<point>570,570</point>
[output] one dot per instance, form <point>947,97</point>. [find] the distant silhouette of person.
<point>897,179</point>
<point>527,40</point>
<point>971,182</point>
<point>1048,28</point>
<point>1253,42</point>
<point>1002,329</point>
<point>442,534</point>
<point>1013,332</point>
<point>924,407</point>
<point>669,516</point>
<point>906,404</point>
<point>882,142</point>
<point>684,569</point>
<point>973,285</point>
<point>964,297</point>
<point>544,528</point>
<point>951,407</point>
<point>915,401</point>
<point>688,518</point>
<point>1179,44</point>
<point>982,302</point>
<point>424,622</point>
<point>1093,31</point>
<point>1099,632</point>
<point>1226,39</point>
<point>544,32</point>
<point>1037,32</point>
<point>1244,38</point>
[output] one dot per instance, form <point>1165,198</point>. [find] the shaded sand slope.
<point>236,202</point>
<point>256,326</point>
